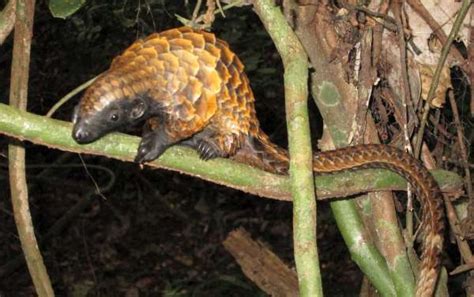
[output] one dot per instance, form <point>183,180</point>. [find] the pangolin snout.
<point>81,134</point>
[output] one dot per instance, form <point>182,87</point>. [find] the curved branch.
<point>57,134</point>
<point>16,152</point>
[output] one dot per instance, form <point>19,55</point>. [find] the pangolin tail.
<point>261,152</point>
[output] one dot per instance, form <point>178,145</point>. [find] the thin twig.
<point>464,160</point>
<point>188,22</point>
<point>419,8</point>
<point>16,152</point>
<point>462,244</point>
<point>454,223</point>
<point>386,20</point>
<point>68,217</point>
<point>406,103</point>
<point>470,55</point>
<point>7,20</point>
<point>196,11</point>
<point>219,6</point>
<point>462,146</point>
<point>463,268</point>
<point>70,95</point>
<point>378,33</point>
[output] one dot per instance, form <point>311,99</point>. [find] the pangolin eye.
<point>114,117</point>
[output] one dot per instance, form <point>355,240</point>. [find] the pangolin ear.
<point>75,115</point>
<point>139,108</point>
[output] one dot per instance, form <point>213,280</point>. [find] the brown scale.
<point>206,102</point>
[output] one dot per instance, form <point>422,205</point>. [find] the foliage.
<point>64,8</point>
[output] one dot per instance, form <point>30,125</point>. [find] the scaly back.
<point>195,77</point>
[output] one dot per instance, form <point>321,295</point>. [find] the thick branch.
<point>261,265</point>
<point>334,97</point>
<point>299,142</point>
<point>57,134</point>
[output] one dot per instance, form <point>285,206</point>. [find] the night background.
<point>151,232</point>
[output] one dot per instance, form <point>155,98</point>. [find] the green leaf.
<point>64,8</point>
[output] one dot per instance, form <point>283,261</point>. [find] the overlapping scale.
<point>196,78</point>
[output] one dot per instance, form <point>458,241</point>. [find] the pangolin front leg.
<point>155,140</point>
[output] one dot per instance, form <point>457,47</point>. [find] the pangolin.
<point>191,89</point>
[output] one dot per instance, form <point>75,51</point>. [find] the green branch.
<point>295,63</point>
<point>57,134</point>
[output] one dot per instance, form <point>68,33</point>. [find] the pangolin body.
<point>191,89</point>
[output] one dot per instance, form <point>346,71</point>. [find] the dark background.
<point>154,232</point>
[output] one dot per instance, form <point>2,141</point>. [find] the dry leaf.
<point>426,75</point>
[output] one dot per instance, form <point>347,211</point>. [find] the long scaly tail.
<point>270,157</point>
